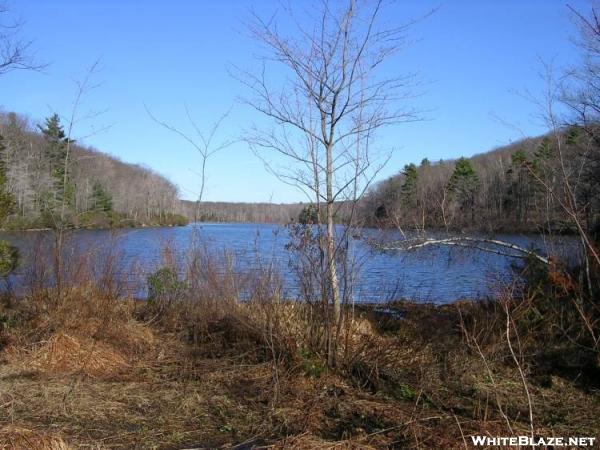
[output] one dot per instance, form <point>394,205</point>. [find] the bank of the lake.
<point>93,221</point>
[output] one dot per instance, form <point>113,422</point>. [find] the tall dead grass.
<point>17,438</point>
<point>82,326</point>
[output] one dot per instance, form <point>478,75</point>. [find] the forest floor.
<point>95,374</point>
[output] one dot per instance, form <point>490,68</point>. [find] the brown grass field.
<point>84,370</point>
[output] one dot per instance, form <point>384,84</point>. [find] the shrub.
<point>165,288</point>
<point>311,365</point>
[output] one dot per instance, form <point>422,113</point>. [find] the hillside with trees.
<point>39,182</point>
<point>510,188</point>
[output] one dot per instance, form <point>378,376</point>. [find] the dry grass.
<point>97,373</point>
<point>309,442</point>
<point>16,438</point>
<point>65,354</point>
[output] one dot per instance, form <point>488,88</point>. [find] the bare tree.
<point>332,102</point>
<point>15,53</point>
<point>61,223</point>
<point>204,144</point>
<point>579,90</point>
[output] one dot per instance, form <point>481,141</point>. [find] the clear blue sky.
<point>472,54</point>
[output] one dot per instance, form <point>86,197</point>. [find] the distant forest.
<point>242,212</point>
<point>507,189</point>
<point>495,191</point>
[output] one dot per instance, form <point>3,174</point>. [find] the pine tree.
<point>56,152</point>
<point>308,215</point>
<point>463,185</point>
<point>409,186</point>
<point>9,258</point>
<point>540,167</point>
<point>574,134</point>
<point>100,199</point>
<point>544,151</point>
<point>56,145</point>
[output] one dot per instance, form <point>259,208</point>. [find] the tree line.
<point>281,213</point>
<point>512,188</point>
<point>41,185</point>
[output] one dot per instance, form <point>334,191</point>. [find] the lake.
<point>431,274</point>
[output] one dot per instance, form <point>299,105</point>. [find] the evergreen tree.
<point>56,145</point>
<point>463,185</point>
<point>56,154</point>
<point>393,190</point>
<point>573,135</point>
<point>391,198</point>
<point>409,186</point>
<point>541,165</point>
<point>100,199</point>
<point>308,215</point>
<point>543,151</point>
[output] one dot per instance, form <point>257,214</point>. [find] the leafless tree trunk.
<point>60,223</point>
<point>335,99</point>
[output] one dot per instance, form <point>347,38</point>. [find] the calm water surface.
<point>440,275</point>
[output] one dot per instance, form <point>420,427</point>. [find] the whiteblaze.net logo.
<point>533,441</point>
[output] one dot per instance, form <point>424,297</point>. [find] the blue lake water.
<point>433,274</point>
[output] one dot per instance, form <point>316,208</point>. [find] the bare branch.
<point>494,246</point>
<point>15,53</point>
<point>204,145</point>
